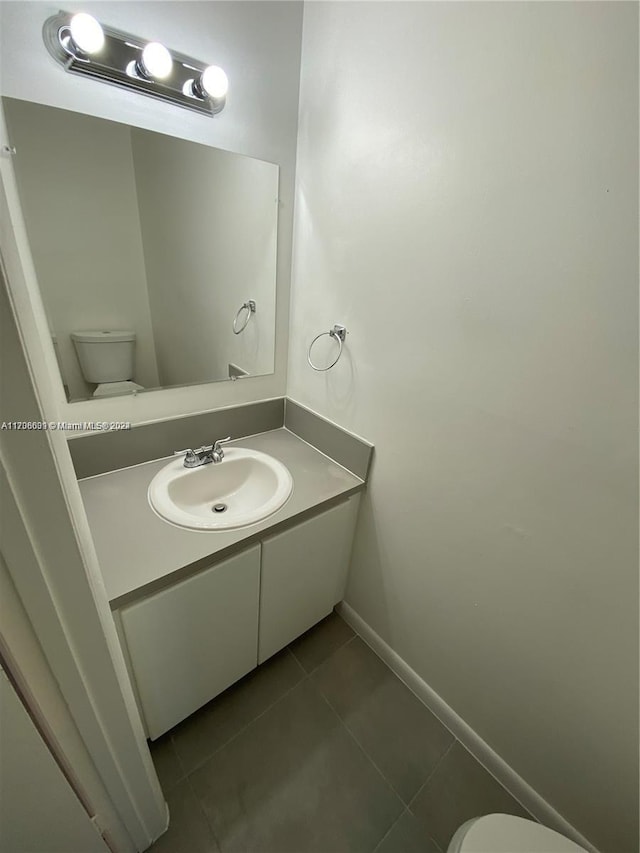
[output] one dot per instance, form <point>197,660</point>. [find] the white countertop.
<point>139,552</point>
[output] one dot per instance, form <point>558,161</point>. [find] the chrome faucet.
<point>205,454</point>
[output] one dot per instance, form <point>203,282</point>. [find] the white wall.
<point>258,44</point>
<point>227,207</point>
<point>84,230</point>
<point>466,205</point>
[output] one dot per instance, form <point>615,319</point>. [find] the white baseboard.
<point>520,790</point>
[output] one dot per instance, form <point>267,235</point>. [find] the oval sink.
<point>244,488</point>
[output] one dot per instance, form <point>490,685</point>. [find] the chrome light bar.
<point>117,58</point>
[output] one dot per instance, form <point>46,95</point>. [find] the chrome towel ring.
<point>339,333</point>
<point>250,307</point>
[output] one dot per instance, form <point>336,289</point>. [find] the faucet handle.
<point>217,454</point>
<point>190,456</point>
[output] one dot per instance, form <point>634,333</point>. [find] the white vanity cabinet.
<point>189,642</point>
<point>304,574</point>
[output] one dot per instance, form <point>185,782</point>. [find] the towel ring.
<point>339,333</point>
<point>250,308</point>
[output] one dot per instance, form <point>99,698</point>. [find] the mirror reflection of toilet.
<point>106,359</point>
<point>503,833</point>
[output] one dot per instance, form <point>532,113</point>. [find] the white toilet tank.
<point>105,356</point>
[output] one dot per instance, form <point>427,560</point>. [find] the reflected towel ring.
<point>339,333</point>
<point>250,308</point>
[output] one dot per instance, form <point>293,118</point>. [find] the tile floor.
<point>320,750</point>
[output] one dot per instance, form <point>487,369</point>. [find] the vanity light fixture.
<point>84,46</point>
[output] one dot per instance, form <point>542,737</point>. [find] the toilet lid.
<point>502,833</point>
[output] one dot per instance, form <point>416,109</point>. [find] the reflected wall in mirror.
<point>149,244</point>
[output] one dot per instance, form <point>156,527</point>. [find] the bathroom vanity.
<point>196,610</point>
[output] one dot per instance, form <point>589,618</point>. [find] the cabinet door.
<point>304,573</point>
<point>191,641</point>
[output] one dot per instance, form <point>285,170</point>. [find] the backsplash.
<point>98,453</point>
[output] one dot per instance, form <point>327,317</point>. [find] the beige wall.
<point>225,206</point>
<point>467,206</point>
<point>84,230</point>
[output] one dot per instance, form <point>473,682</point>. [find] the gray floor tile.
<point>294,781</point>
<point>407,836</point>
<point>188,830</point>
<point>402,737</point>
<point>166,763</point>
<point>321,641</point>
<point>459,790</point>
<point>201,734</point>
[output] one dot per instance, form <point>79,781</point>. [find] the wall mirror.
<point>155,257</point>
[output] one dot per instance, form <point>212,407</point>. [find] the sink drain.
<point>219,508</point>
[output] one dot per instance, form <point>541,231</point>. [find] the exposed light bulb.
<point>214,82</point>
<point>86,33</point>
<point>156,61</point>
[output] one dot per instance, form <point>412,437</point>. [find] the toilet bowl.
<point>503,833</point>
<point>106,359</point>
